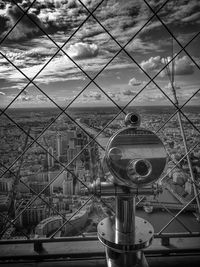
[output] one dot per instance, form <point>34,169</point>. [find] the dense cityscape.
<point>41,182</point>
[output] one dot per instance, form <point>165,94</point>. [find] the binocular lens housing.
<point>142,167</point>
<point>135,156</point>
<point>139,169</point>
<point>132,119</point>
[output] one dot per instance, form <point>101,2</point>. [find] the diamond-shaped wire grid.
<point>92,80</point>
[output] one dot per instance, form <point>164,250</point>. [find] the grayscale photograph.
<point>100,133</point>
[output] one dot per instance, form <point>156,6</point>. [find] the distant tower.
<point>50,158</point>
<point>72,143</point>
<point>6,185</point>
<point>71,153</point>
<point>68,186</point>
<point>77,188</point>
<point>58,145</point>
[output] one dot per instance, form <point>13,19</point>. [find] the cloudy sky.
<point>91,48</point>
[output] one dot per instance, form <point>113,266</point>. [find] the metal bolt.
<point>101,223</point>
<point>145,221</point>
<point>150,232</point>
<point>103,233</point>
<point>140,240</point>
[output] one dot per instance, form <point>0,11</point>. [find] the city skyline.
<point>91,47</point>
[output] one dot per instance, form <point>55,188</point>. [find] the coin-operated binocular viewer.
<point>136,158</point>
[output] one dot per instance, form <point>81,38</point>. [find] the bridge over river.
<point>171,206</point>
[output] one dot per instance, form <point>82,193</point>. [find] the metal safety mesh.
<point>92,80</point>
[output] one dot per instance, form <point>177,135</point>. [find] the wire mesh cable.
<point>40,197</point>
<point>74,62</point>
<point>191,149</point>
<point>154,76</point>
<point>59,49</point>
<point>170,32</point>
<point>167,224</point>
<point>61,164</point>
<point>176,218</point>
<point>77,211</point>
<point>74,121</point>
<point>11,223</point>
<point>56,177</point>
<point>92,80</point>
<point>178,111</point>
<point>111,58</point>
<point>128,54</point>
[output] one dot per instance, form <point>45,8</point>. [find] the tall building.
<point>71,143</point>
<point>71,134</point>
<point>188,187</point>
<point>58,145</point>
<point>80,172</point>
<point>4,203</point>
<point>6,185</point>
<point>50,159</point>
<point>68,185</point>
<point>37,187</point>
<point>71,153</point>
<point>58,181</point>
<point>40,176</point>
<point>64,141</point>
<point>77,188</point>
<point>21,187</point>
<point>32,215</point>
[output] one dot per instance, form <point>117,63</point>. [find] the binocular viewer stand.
<point>124,235</point>
<point>135,158</point>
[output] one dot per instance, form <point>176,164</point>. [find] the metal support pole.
<point>135,158</point>
<point>125,215</point>
<point>124,224</point>
<point>125,235</point>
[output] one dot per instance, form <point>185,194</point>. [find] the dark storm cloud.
<point>3,23</point>
<point>121,18</point>
<point>4,2</point>
<point>25,28</point>
<point>49,15</point>
<point>184,11</point>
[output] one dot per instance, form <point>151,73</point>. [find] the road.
<point>101,139</point>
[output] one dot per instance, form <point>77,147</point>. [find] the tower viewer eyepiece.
<point>132,119</point>
<point>138,169</point>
